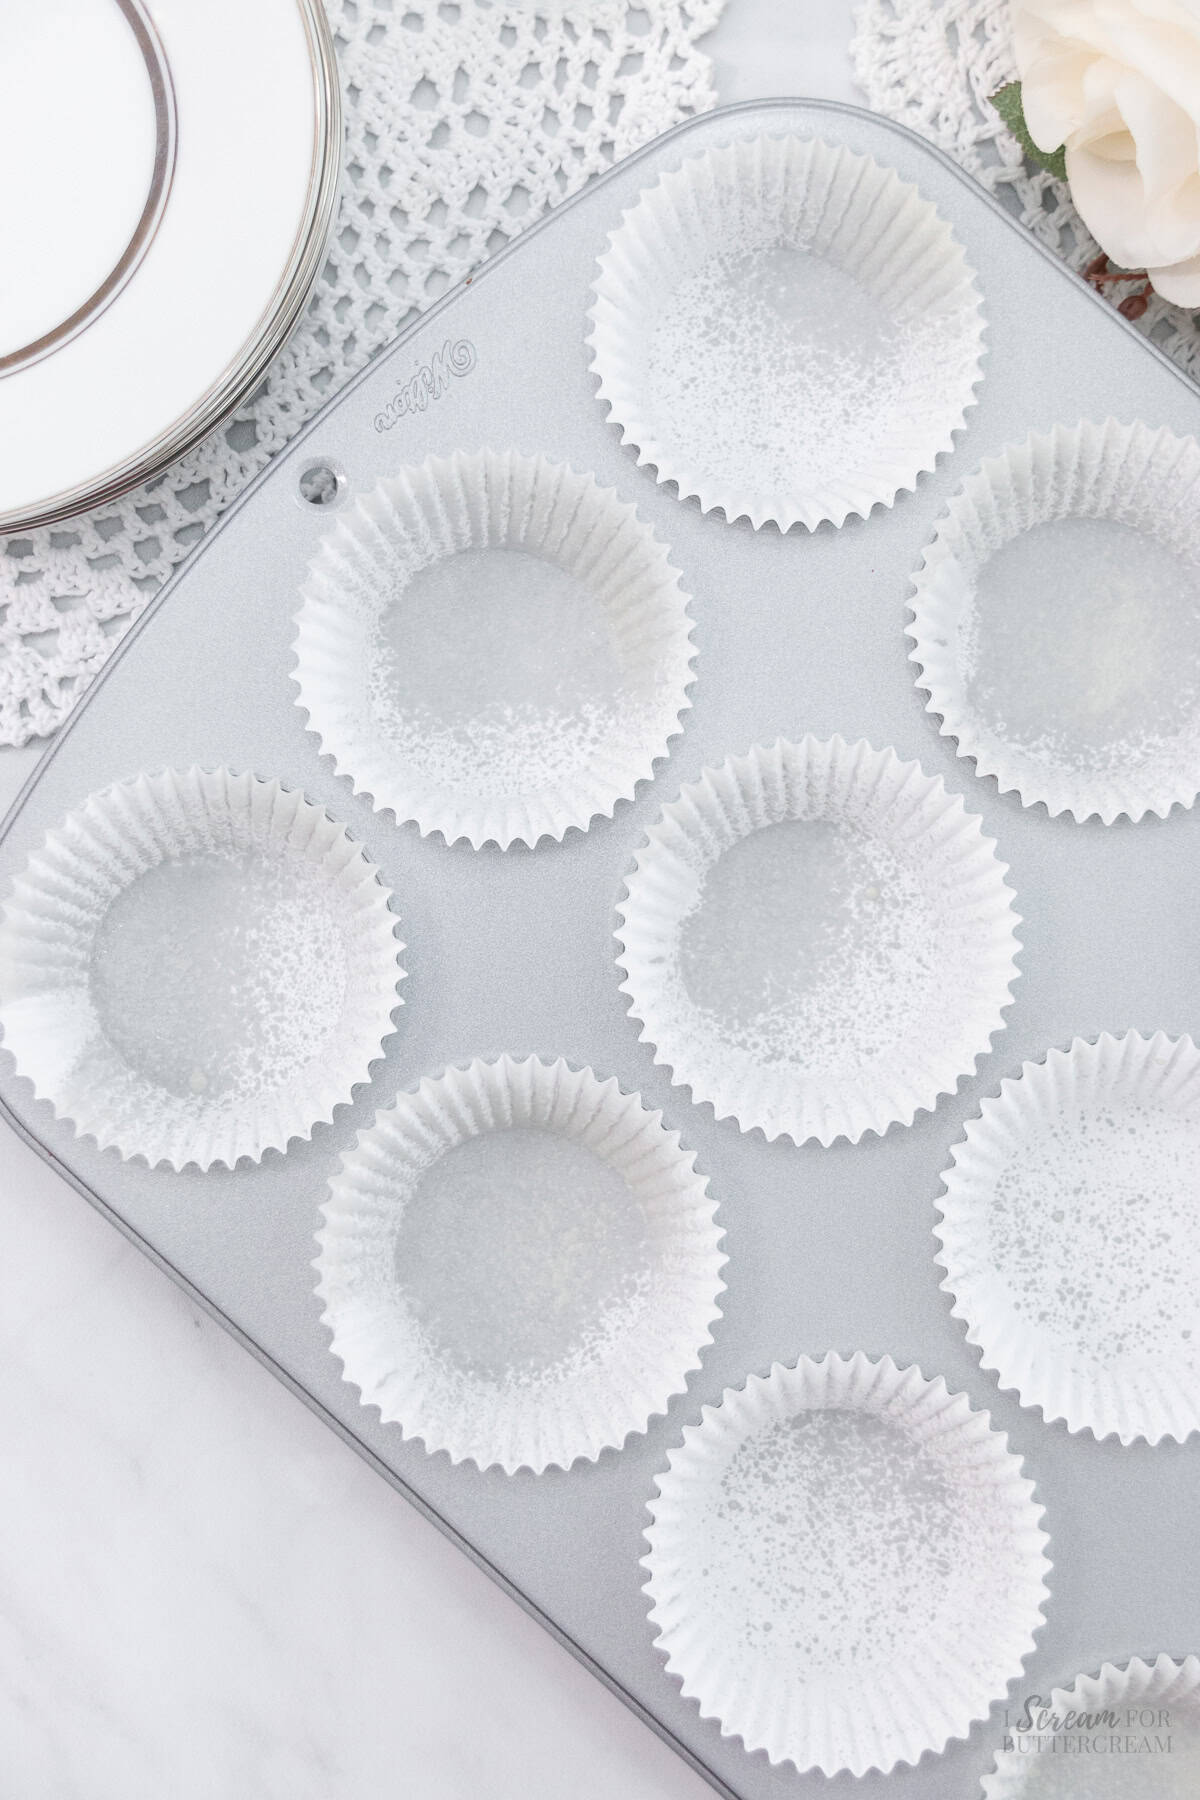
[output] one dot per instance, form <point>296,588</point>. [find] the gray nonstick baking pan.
<point>514,951</point>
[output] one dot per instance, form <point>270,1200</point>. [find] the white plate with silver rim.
<point>168,177</point>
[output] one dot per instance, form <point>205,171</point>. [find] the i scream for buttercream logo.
<point>455,358</point>
<point>1037,1729</point>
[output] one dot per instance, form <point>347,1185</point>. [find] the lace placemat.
<point>932,65</point>
<point>464,122</point>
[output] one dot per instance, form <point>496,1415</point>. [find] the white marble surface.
<point>204,1595</point>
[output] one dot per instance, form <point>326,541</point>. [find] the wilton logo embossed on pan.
<point>429,383</point>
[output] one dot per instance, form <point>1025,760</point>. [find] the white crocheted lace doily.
<point>464,121</point>
<point>932,65</point>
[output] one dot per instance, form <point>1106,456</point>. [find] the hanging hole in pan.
<point>321,484</point>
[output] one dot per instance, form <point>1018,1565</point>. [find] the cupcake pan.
<point>513,951</point>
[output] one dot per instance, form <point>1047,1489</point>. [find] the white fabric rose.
<point>1118,82</point>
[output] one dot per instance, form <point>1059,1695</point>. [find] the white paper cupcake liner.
<point>493,647</point>
<point>846,1564</point>
<point>519,1264</point>
<point>197,967</point>
<point>787,330</point>
<point>1057,620</point>
<point>818,940</point>
<point>1070,1236</point>
<point>1130,1732</point>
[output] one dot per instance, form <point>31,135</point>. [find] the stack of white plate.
<point>168,179</point>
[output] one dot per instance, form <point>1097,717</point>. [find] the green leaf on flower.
<point>1008,103</point>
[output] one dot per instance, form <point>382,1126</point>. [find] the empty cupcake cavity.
<point>817,939</point>
<point>200,966</point>
<point>1057,620</point>
<point>519,1264</point>
<point>197,965</point>
<point>786,354</point>
<point>851,1484</point>
<point>1070,1238</point>
<point>1083,631</point>
<point>787,330</point>
<point>810,932</point>
<point>494,647</point>
<point>1126,1733</point>
<point>829,1544</point>
<point>538,691</point>
<point>559,1257</point>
